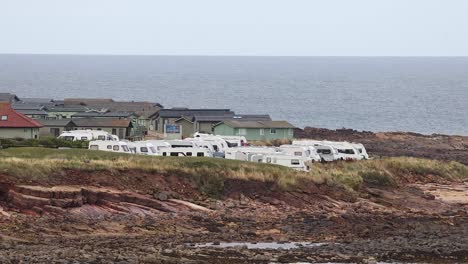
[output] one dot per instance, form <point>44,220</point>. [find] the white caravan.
<point>185,152</point>
<point>327,153</point>
<point>301,151</point>
<point>241,153</point>
<point>293,162</point>
<point>362,150</point>
<point>111,146</point>
<point>87,135</point>
<point>158,144</point>
<point>346,151</point>
<point>142,148</point>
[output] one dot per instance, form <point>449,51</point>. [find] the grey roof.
<point>179,112</point>
<point>8,97</point>
<point>257,124</point>
<point>57,122</point>
<point>102,122</point>
<point>31,112</point>
<point>115,106</point>
<point>27,106</point>
<point>232,117</point>
<point>108,114</point>
<point>37,100</point>
<point>68,109</point>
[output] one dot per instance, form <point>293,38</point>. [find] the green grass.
<point>40,164</point>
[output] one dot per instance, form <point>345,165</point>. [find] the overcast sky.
<point>236,27</point>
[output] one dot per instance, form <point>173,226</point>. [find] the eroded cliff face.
<point>158,219</point>
<point>441,147</point>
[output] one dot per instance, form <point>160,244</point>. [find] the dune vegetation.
<point>41,164</point>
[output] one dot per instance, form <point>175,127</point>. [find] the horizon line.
<point>240,55</point>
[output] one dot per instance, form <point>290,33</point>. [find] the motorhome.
<point>301,151</point>
<point>293,162</point>
<point>142,148</point>
<point>185,152</point>
<point>111,146</point>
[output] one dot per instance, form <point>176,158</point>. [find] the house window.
<point>4,118</point>
<point>242,131</point>
<point>262,132</point>
<point>114,131</point>
<point>291,132</point>
<point>272,130</point>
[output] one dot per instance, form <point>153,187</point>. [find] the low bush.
<point>45,142</point>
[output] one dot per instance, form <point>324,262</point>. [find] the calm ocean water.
<point>427,95</point>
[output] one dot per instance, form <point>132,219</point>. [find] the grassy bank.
<point>40,164</point>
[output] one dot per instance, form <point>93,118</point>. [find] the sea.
<point>416,94</point>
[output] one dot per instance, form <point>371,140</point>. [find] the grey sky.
<point>236,27</point>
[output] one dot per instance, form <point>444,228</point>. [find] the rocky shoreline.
<point>395,144</point>
<point>69,224</point>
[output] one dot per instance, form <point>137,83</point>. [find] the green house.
<point>255,130</point>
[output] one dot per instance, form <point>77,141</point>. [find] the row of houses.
<point>134,120</point>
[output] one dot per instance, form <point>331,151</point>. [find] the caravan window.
<point>69,138</point>
<point>346,151</point>
<point>360,150</point>
<point>94,147</point>
<point>144,149</point>
<point>268,160</point>
<point>125,148</point>
<point>101,137</point>
<point>174,154</point>
<point>200,154</point>
<point>188,154</point>
<point>324,151</point>
<point>295,162</point>
<point>153,150</point>
<point>164,154</point>
<point>84,138</point>
<point>116,148</point>
<point>109,146</point>
<point>297,153</point>
<point>215,147</point>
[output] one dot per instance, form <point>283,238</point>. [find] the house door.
<point>121,133</point>
<point>55,132</point>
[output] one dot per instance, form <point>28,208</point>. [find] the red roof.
<point>15,119</point>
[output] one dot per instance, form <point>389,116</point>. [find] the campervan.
<point>185,152</point>
<point>142,148</point>
<point>112,146</point>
